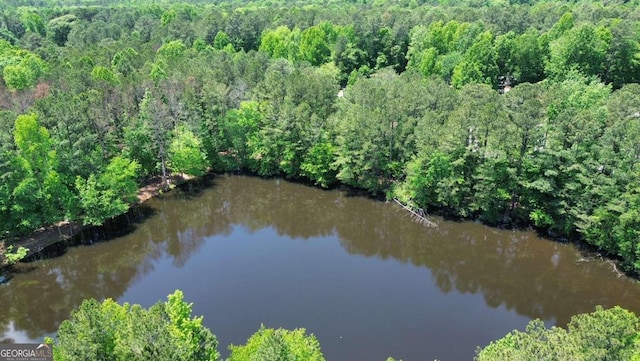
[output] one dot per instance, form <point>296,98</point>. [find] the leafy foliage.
<point>41,197</point>
<point>167,331</point>
<point>20,69</point>
<point>186,154</point>
<point>278,344</point>
<point>109,331</point>
<point>318,164</point>
<point>109,194</point>
<point>610,334</point>
<point>11,257</point>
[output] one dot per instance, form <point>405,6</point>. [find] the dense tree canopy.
<point>610,334</point>
<point>109,331</point>
<point>278,344</point>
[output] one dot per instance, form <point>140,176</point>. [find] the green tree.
<point>277,43</point>
<point>561,180</point>
<point>582,48</point>
<point>443,47</point>
<point>104,75</point>
<point>529,55</point>
<point>317,164</point>
<point>238,132</point>
<point>123,61</point>
<point>41,197</point>
<point>59,28</point>
<point>364,136</point>
<point>172,51</point>
<point>429,62</point>
<point>186,154</point>
<point>622,64</point>
<point>522,138</point>
<point>109,194</point>
<point>522,56</point>
<point>8,181</point>
<point>148,136</point>
<point>347,56</point>
<point>316,43</point>
<point>564,24</point>
<point>83,130</point>
<point>298,102</point>
<point>278,345</point>
<point>109,331</point>
<point>33,22</point>
<point>467,72</point>
<point>23,74</point>
<point>9,257</point>
<point>615,226</point>
<point>609,334</point>
<point>611,224</point>
<point>221,40</point>
<point>375,126</point>
<point>479,63</point>
<point>495,186</point>
<point>17,77</point>
<point>432,181</point>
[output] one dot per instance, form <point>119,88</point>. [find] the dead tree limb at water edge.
<point>417,214</point>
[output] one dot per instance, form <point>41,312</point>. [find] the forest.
<point>516,114</point>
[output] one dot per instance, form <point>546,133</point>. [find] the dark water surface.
<point>359,274</point>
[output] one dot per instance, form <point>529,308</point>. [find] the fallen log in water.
<point>417,215</point>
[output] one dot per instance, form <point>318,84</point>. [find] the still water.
<point>359,274</point>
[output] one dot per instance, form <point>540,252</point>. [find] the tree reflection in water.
<point>514,269</point>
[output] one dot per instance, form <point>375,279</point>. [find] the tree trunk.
<point>164,174</point>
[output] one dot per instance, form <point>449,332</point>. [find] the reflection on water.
<point>247,251</point>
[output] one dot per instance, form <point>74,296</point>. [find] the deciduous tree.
<point>40,198</point>
<point>278,344</point>
<point>110,193</point>
<point>186,154</point>
<point>109,331</point>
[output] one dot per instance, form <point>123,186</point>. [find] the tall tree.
<point>479,63</point>
<point>40,198</point>
<point>149,136</point>
<point>316,43</point>
<point>622,63</point>
<point>582,48</point>
<point>525,106</point>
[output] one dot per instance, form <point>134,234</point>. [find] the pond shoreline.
<point>58,237</point>
<point>61,234</point>
<point>248,249</point>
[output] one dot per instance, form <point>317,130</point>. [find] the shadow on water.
<point>119,226</point>
<point>35,293</point>
<point>192,188</point>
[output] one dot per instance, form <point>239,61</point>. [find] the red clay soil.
<point>46,236</point>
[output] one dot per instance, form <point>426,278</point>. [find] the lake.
<point>359,274</point>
